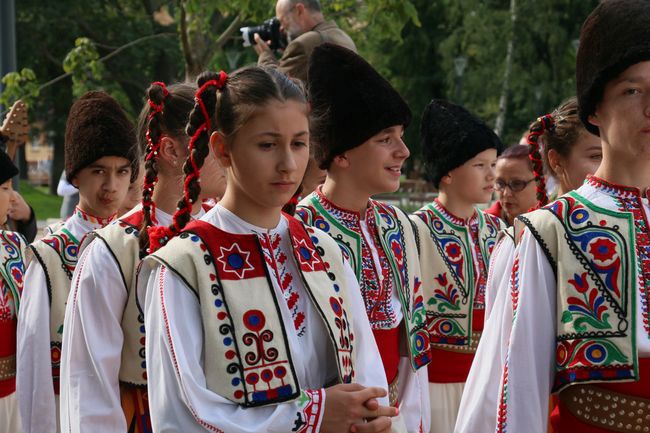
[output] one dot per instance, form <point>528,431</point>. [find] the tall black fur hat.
<point>450,136</point>
<point>97,126</point>
<point>7,167</point>
<point>350,102</point>
<point>614,36</point>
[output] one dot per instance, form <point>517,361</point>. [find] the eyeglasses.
<point>514,185</point>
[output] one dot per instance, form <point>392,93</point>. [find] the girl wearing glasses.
<point>514,184</point>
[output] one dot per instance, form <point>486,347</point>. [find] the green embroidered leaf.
<point>60,330</point>
<point>432,301</point>
<point>446,305</point>
<point>582,321</point>
<point>567,317</point>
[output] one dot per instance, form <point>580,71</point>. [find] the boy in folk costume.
<point>12,270</point>
<point>581,277</point>
<point>456,241</point>
<point>99,150</point>
<point>253,319</point>
<point>103,369</point>
<point>357,130</point>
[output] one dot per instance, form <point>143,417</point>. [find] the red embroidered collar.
<point>93,219</point>
<point>453,218</point>
<point>342,214</point>
<point>615,190</point>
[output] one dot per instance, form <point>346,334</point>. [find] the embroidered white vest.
<point>448,273</point>
<point>399,242</point>
<point>121,239</point>
<point>593,254</point>
<point>57,254</point>
<point>247,355</point>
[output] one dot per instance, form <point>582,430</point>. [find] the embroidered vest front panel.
<point>400,266</point>
<point>57,254</point>
<point>593,253</point>
<point>454,261</point>
<point>248,358</point>
<point>121,239</point>
<point>12,271</point>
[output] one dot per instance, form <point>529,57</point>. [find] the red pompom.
<point>158,237</point>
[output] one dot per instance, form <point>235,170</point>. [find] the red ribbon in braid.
<point>158,236</point>
<point>547,123</point>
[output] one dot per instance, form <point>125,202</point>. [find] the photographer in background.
<point>306,28</point>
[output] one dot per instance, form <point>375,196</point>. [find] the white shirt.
<point>179,398</point>
<point>39,409</point>
<point>93,339</point>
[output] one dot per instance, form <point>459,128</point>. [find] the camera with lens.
<point>269,30</point>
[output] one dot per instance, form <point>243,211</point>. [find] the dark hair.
<point>223,103</point>
<point>312,5</point>
<point>538,128</point>
<point>566,133</point>
<point>165,113</point>
<point>516,151</point>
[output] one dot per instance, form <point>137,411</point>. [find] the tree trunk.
<point>505,88</point>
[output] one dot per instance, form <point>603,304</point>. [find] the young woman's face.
<point>266,159</point>
<point>6,198</point>
<point>473,182</point>
<point>623,115</point>
<point>584,159</point>
<point>512,174</point>
<point>376,165</point>
<point>103,185</point>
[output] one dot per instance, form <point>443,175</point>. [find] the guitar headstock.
<point>16,127</point>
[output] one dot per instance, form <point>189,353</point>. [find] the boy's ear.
<point>341,160</point>
<point>219,147</point>
<point>446,179</point>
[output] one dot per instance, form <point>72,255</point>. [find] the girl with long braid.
<point>570,153</point>
<point>104,375</point>
<point>254,321</point>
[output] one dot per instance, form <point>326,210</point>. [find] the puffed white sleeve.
<point>478,406</point>
<point>92,345</point>
<point>179,398</point>
<point>525,384</point>
<point>34,387</point>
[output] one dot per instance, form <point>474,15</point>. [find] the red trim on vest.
<point>567,423</point>
<point>453,367</point>
<point>388,345</point>
<point>236,256</point>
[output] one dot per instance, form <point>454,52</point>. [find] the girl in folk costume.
<point>103,368</point>
<point>357,130</point>
<point>12,269</point>
<point>581,273</point>
<point>570,153</point>
<point>99,150</point>
<point>252,318</point>
<point>456,240</point>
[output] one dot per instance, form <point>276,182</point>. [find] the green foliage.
<point>19,85</point>
<point>84,65</point>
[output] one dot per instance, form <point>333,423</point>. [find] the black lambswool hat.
<point>450,136</point>
<point>615,36</point>
<point>7,167</point>
<point>97,126</point>
<point>350,102</point>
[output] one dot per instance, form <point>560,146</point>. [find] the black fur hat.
<point>350,102</point>
<point>614,36</point>
<point>450,136</point>
<point>97,126</point>
<point>7,167</point>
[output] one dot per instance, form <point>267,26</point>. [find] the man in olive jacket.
<point>306,28</point>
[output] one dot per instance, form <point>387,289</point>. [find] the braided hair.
<point>222,103</point>
<point>542,124</point>
<point>165,113</point>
